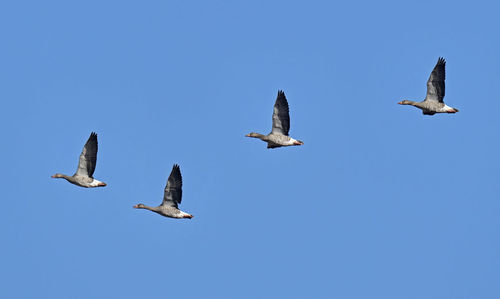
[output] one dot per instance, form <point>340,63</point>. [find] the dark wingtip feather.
<point>93,137</point>
<point>441,60</point>
<point>176,170</point>
<point>281,97</point>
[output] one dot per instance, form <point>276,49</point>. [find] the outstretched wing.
<point>435,84</point>
<point>88,157</point>
<point>173,190</point>
<point>281,117</point>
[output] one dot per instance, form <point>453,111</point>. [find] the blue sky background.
<point>380,202</point>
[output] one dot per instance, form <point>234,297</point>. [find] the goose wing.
<point>88,157</point>
<point>281,117</point>
<point>435,84</point>
<point>173,190</point>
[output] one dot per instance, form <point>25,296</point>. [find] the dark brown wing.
<point>88,157</point>
<point>281,116</point>
<point>173,190</point>
<point>435,84</point>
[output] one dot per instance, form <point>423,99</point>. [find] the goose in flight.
<point>433,102</point>
<point>171,198</point>
<point>281,125</point>
<point>86,166</point>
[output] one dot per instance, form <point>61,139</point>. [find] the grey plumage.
<point>281,115</point>
<point>83,176</point>
<point>433,102</point>
<point>275,140</point>
<point>435,84</point>
<point>172,197</point>
<point>88,157</point>
<point>173,190</point>
<point>281,125</point>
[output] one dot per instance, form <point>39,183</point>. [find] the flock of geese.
<point>432,104</point>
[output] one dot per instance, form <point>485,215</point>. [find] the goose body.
<point>172,197</point>
<point>86,166</point>
<point>281,125</point>
<point>433,102</point>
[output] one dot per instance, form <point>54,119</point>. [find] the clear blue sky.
<point>380,202</point>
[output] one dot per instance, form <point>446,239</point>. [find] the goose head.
<point>139,206</point>
<point>57,176</point>
<point>405,102</point>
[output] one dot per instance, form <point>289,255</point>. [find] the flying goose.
<point>86,166</point>
<point>281,125</point>
<point>433,102</point>
<point>171,197</point>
